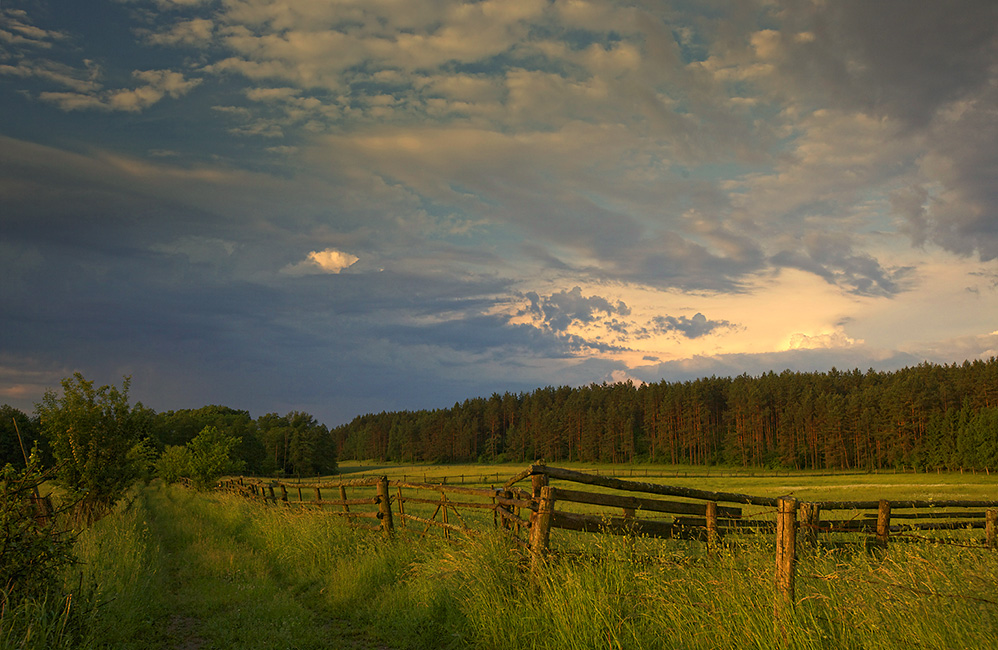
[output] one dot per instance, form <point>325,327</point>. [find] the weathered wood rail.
<point>445,511</point>
<point>713,521</point>
<point>623,507</point>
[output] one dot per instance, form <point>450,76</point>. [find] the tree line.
<point>85,427</point>
<point>927,416</point>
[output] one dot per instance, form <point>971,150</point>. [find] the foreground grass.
<point>180,569</point>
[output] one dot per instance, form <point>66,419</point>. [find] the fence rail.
<point>430,477</point>
<point>622,507</point>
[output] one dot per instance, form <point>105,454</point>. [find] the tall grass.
<point>110,596</point>
<point>212,570</point>
<point>914,596</point>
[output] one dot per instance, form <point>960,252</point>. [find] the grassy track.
<point>187,571</point>
<point>224,591</point>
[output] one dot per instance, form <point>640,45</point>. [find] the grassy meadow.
<point>173,568</point>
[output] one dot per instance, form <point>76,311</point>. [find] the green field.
<point>179,569</point>
<point>804,485</point>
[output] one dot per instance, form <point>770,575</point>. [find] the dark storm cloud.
<point>927,66</point>
<point>897,58</point>
<point>275,347</point>
<point>962,217</point>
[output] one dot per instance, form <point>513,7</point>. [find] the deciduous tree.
<point>93,432</point>
<point>210,455</point>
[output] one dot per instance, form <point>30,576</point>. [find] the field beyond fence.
<point>532,503</point>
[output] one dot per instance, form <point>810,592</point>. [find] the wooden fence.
<point>418,507</point>
<point>625,507</point>
<point>432,477</point>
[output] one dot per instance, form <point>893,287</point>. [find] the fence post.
<point>401,502</point>
<point>538,481</point>
<point>631,525</point>
<point>540,530</point>
<point>385,507</point>
<point>883,523</point>
<point>273,498</point>
<point>990,525</point>
<point>811,522</point>
<point>443,508</point>
<point>786,555</point>
<point>712,534</point>
<point>495,508</point>
<point>284,494</point>
<point>346,508</point>
<point>504,522</point>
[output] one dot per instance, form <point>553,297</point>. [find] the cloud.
<point>910,204</point>
<point>831,256</point>
<point>562,309</point>
<point>803,360</point>
<point>80,80</point>
<point>982,346</point>
<point>691,328</point>
<point>329,260</point>
<point>18,29</point>
<point>32,56</point>
<point>196,32</point>
<point>830,340</point>
<point>952,203</point>
<point>156,85</point>
<point>622,377</point>
<point>24,379</point>
<point>555,191</point>
<point>859,56</point>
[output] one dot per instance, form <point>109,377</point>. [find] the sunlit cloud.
<point>329,260</point>
<point>830,340</point>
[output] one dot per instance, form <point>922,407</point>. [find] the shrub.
<point>210,456</point>
<point>94,433</point>
<point>174,463</point>
<point>32,549</point>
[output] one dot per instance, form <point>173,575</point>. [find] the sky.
<point>355,206</point>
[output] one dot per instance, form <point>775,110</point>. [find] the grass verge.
<point>180,569</point>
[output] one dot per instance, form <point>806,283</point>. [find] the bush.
<point>211,456</point>
<point>203,460</point>
<point>94,434</point>
<point>33,550</point>
<point>174,464</point>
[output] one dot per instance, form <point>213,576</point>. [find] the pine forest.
<point>929,416</point>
